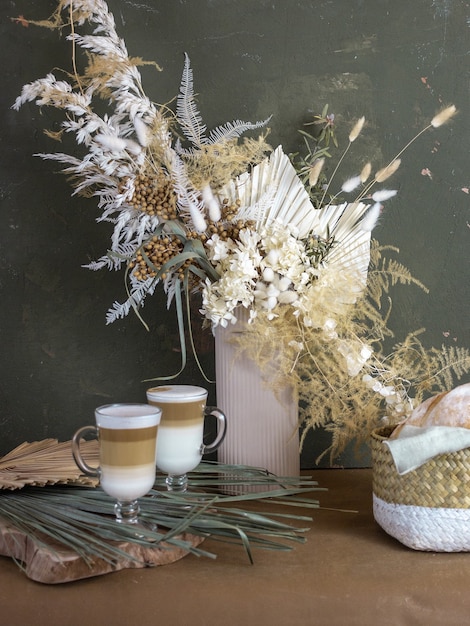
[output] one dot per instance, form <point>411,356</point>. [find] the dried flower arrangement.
<point>194,211</point>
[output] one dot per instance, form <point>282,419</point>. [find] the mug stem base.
<point>177,483</point>
<point>127,512</point>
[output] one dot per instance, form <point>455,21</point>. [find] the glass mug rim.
<point>177,393</point>
<point>135,412</point>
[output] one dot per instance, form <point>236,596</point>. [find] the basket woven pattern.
<point>427,508</point>
<point>444,481</point>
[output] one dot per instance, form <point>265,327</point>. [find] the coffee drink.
<point>180,433</point>
<point>127,439</point>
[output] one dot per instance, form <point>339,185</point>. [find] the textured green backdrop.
<point>394,61</point>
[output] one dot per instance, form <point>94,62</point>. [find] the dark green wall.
<point>394,61</point>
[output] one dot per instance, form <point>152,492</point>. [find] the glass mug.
<point>127,435</point>
<point>180,443</point>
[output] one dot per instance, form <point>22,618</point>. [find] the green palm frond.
<point>81,519</point>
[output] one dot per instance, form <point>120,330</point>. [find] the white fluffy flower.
<point>384,194</point>
<point>259,271</point>
<point>218,249</point>
<point>351,184</point>
<point>111,142</point>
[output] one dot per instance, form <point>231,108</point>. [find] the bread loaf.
<point>450,408</point>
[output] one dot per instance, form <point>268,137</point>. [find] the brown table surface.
<point>349,572</point>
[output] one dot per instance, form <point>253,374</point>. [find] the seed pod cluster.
<point>160,249</point>
<point>154,194</point>
<point>155,253</point>
<point>226,228</point>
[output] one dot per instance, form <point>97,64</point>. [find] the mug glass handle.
<point>86,469</point>
<point>221,430</point>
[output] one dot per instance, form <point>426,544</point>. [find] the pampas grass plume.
<point>197,218</point>
<point>211,203</point>
<point>387,171</point>
<point>356,130</point>
<point>370,220</point>
<point>351,184</point>
<point>314,172</point>
<point>365,172</point>
<point>443,116</point>
<point>383,194</point>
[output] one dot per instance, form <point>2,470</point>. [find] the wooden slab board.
<point>56,564</point>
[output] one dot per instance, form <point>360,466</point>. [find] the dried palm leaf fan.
<point>46,462</point>
<point>273,191</point>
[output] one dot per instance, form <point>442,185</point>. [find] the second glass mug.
<point>180,445</point>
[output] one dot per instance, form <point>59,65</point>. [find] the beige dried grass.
<point>46,462</point>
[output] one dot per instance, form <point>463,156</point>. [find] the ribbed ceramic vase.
<point>262,426</point>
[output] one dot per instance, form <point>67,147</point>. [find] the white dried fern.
<point>191,122</point>
<point>136,300</point>
<point>114,260</point>
<point>187,112</point>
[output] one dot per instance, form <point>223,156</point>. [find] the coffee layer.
<point>181,414</point>
<point>128,447</point>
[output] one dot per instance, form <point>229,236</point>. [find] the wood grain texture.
<point>55,564</point>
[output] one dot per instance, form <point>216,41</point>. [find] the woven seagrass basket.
<point>427,508</point>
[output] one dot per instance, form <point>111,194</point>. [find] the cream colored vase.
<point>262,427</point>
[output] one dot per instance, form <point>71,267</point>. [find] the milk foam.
<point>127,416</point>
<point>127,483</point>
<point>176,393</point>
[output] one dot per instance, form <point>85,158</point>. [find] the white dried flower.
<point>370,220</point>
<point>329,328</point>
<point>268,274</point>
<point>356,356</point>
<point>111,142</point>
<point>211,203</point>
<point>384,194</point>
<point>351,184</point>
<point>197,218</point>
<point>133,147</point>
<point>287,297</point>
